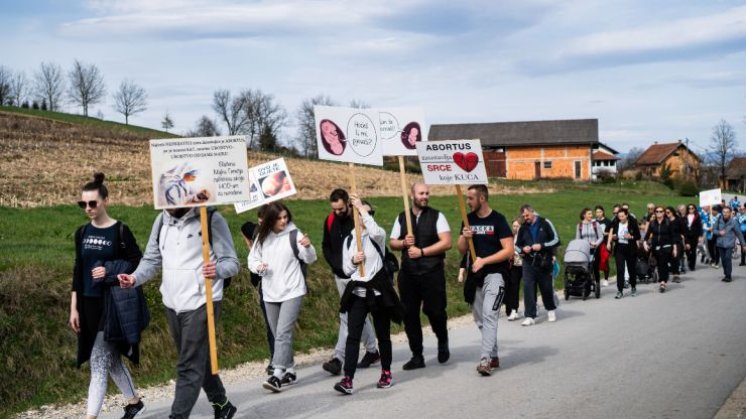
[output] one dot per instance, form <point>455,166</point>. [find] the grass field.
<point>88,121</point>
<point>36,257</point>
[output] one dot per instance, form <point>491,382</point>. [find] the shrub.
<point>688,188</point>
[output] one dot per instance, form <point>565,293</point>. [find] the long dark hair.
<point>97,184</point>
<point>405,134</point>
<point>340,134</point>
<point>270,215</point>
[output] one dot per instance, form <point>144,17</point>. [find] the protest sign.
<point>348,135</point>
<point>189,172</point>
<point>269,182</point>
<point>453,162</point>
<point>710,197</point>
<point>400,130</point>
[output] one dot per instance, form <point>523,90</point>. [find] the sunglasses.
<point>92,204</point>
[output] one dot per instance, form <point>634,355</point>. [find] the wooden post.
<point>462,207</point>
<point>356,217</point>
<point>208,291</point>
<point>405,195</point>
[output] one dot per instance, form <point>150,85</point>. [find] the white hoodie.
<point>283,279</point>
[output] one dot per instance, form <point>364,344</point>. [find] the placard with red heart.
<point>466,161</point>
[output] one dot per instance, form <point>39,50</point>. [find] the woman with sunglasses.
<point>104,248</point>
<point>678,241</point>
<point>693,234</point>
<point>660,237</point>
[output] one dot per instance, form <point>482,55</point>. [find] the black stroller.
<point>645,266</point>
<point>579,280</point>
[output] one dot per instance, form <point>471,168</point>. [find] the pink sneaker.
<point>385,380</point>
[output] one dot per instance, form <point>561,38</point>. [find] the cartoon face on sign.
<point>389,126</point>
<point>362,133</point>
<point>466,161</point>
<point>332,137</point>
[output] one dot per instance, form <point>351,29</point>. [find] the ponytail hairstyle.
<point>97,184</point>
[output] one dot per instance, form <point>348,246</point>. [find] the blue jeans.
<point>726,255</point>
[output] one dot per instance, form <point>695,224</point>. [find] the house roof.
<point>657,153</point>
<point>603,147</point>
<point>573,131</point>
<point>736,167</point>
<point>602,155</point>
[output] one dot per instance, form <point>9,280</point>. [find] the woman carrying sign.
<point>104,248</point>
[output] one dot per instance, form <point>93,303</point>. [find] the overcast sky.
<point>647,70</point>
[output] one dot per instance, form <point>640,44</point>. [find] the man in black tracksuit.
<point>421,278</point>
<point>337,226</point>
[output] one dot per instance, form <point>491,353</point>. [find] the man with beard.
<point>727,230</point>
<point>422,281</point>
<point>337,226</point>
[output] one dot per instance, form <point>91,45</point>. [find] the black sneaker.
<point>132,410</point>
<point>368,359</point>
<point>344,386</point>
<point>333,366</point>
<point>288,379</point>
<point>727,279</point>
<point>273,384</point>
<point>443,353</point>
<point>416,362</point>
<point>270,369</point>
<point>224,411</point>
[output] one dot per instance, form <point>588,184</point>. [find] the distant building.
<point>604,161</point>
<point>736,175</point>
<point>681,161</point>
<point>532,149</point>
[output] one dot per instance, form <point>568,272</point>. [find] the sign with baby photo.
<point>348,135</point>
<point>401,129</point>
<point>194,172</point>
<point>455,162</point>
<point>269,182</point>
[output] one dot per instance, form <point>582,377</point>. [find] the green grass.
<point>88,121</point>
<point>36,257</point>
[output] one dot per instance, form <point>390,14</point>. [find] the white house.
<point>603,160</point>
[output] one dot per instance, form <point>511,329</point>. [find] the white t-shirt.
<point>622,231</point>
<point>441,225</point>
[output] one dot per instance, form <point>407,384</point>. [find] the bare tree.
<point>86,85</point>
<point>628,162</point>
<point>18,88</point>
<point>249,113</point>
<point>359,104</point>
<point>49,84</point>
<point>6,76</point>
<point>130,99</point>
<point>722,145</point>
<point>206,127</point>
<point>167,123</point>
<point>304,116</point>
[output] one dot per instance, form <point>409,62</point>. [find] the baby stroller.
<point>645,266</point>
<point>579,280</point>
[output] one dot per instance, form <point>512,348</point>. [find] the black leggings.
<point>714,253</point>
<point>625,254</point>
<point>355,322</point>
<point>691,254</point>
<point>512,289</point>
<point>663,258</point>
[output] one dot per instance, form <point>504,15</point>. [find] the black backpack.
<point>293,235</point>
<point>210,212</point>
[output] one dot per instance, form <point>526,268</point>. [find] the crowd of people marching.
<point>108,311</point>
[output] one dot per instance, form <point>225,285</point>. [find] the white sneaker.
<point>551,316</point>
<point>604,283</point>
<point>513,315</point>
<point>528,322</point>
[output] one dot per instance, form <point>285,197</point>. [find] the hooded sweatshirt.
<point>177,249</point>
<point>283,279</point>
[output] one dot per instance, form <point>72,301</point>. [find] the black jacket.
<point>661,234</point>
<point>388,301</point>
<point>547,238</point>
<point>336,229</point>
<point>634,230</point>
<point>126,257</point>
<point>425,234</point>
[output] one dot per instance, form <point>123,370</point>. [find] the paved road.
<point>673,355</point>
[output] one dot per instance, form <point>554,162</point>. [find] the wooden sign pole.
<point>208,291</point>
<point>462,207</point>
<point>356,216</point>
<point>405,195</point>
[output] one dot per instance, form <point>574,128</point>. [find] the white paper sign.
<point>269,182</point>
<point>348,135</point>
<point>710,197</point>
<point>456,162</point>
<point>193,172</point>
<point>401,129</point>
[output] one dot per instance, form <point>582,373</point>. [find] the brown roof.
<point>736,167</point>
<point>573,131</point>
<point>600,155</point>
<point>657,153</point>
